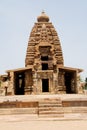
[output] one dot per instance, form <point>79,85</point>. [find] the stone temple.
<point>44,71</point>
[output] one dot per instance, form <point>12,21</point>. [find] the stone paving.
<point>26,122</point>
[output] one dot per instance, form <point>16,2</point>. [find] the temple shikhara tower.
<point>44,71</point>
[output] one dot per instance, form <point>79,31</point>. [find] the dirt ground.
<point>25,122</point>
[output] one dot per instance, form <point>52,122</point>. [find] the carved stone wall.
<point>43,34</point>
<point>28,82</point>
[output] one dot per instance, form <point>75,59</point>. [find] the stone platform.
<point>63,106</point>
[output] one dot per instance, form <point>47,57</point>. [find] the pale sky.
<point>17,18</point>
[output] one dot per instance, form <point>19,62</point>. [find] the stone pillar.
<point>79,88</point>
<point>35,85</point>
<point>11,86</point>
<point>55,82</point>
<point>28,82</point>
<point>61,82</point>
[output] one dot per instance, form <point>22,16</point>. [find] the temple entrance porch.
<point>68,79</point>
<point>25,81</point>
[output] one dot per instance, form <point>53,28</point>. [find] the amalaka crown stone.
<point>43,17</point>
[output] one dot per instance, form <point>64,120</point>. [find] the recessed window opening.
<point>44,66</point>
<point>44,58</point>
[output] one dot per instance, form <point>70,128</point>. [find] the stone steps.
<point>50,108</point>
<point>50,112</point>
<point>49,105</point>
<point>51,115</point>
<point>46,107</point>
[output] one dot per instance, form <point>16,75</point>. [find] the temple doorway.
<point>45,85</point>
<point>70,82</point>
<point>19,83</point>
